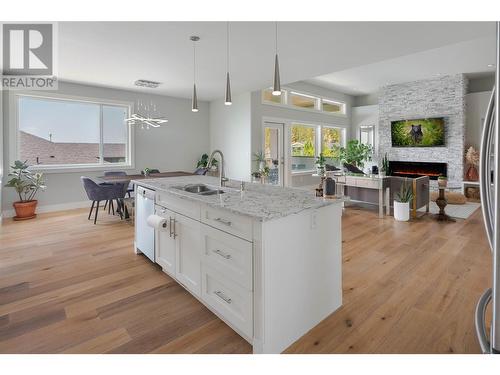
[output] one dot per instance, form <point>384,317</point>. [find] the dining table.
<point>130,177</point>
<point>120,179</point>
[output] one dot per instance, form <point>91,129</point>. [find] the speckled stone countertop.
<point>261,202</point>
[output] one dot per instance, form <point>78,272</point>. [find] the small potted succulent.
<point>26,183</point>
<point>402,201</point>
<point>442,181</point>
<point>320,165</point>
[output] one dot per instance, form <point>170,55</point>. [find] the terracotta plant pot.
<point>25,210</point>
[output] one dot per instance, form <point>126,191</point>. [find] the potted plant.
<point>320,165</point>
<point>442,181</point>
<point>203,162</point>
<point>472,159</point>
<point>260,159</point>
<point>384,168</point>
<point>402,201</point>
<point>355,153</point>
<point>27,184</point>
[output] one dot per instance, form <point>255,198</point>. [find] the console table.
<point>367,189</point>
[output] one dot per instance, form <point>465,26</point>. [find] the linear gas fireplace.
<point>417,169</point>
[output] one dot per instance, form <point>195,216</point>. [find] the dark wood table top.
<point>131,177</point>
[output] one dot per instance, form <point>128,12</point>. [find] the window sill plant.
<point>402,202</point>
<point>320,165</point>
<point>26,184</point>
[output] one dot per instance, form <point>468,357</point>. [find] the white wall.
<point>175,146</point>
<point>475,106</point>
<point>364,116</point>
<point>230,130</point>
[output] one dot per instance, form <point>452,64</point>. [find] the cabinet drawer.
<point>228,254</point>
<point>179,205</point>
<point>238,225</point>
<point>232,302</point>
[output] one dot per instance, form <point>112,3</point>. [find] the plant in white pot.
<point>402,201</point>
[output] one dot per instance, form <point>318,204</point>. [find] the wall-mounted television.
<point>425,132</point>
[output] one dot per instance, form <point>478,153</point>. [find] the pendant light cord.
<point>227,46</point>
<point>276,37</point>
<point>194,62</point>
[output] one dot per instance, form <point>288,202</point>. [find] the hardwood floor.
<point>67,286</point>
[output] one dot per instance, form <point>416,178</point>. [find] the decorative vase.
<point>401,211</point>
<point>25,210</point>
<point>472,174</point>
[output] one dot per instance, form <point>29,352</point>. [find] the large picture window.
<point>308,141</point>
<point>303,147</point>
<point>59,132</point>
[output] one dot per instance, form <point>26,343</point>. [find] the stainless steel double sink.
<point>200,189</point>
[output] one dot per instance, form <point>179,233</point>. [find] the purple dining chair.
<point>99,192</point>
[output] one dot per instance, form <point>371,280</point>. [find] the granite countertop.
<point>261,202</point>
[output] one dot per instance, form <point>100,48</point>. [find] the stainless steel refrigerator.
<point>490,202</point>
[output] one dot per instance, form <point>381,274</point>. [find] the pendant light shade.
<point>194,104</point>
<point>227,100</point>
<point>276,81</point>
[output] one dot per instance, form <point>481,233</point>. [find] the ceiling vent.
<point>146,83</point>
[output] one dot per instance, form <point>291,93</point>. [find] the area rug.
<point>460,211</point>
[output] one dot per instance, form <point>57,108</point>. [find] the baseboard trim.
<point>50,208</point>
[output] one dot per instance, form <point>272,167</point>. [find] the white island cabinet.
<point>267,260</point>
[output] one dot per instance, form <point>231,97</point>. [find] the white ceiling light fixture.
<point>276,82</point>
<point>194,106</point>
<point>227,100</point>
<point>146,115</point>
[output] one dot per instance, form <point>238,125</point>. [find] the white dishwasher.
<point>144,234</point>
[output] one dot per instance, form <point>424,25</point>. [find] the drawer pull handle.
<point>224,255</point>
<point>221,295</point>
<point>223,221</point>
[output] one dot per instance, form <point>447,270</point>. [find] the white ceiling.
<point>115,54</point>
<point>470,57</point>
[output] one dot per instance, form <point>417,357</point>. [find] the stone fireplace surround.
<point>440,97</point>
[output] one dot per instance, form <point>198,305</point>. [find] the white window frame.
<point>318,147</point>
<point>61,168</point>
<point>285,102</point>
<point>370,128</point>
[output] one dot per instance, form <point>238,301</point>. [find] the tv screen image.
<point>427,132</point>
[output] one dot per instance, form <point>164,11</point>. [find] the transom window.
<point>304,101</point>
<point>59,132</point>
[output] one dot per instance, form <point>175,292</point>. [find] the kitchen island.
<point>265,259</point>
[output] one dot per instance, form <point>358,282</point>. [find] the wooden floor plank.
<point>68,286</point>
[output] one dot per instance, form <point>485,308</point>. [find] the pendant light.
<point>194,106</point>
<point>227,100</point>
<point>276,84</point>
